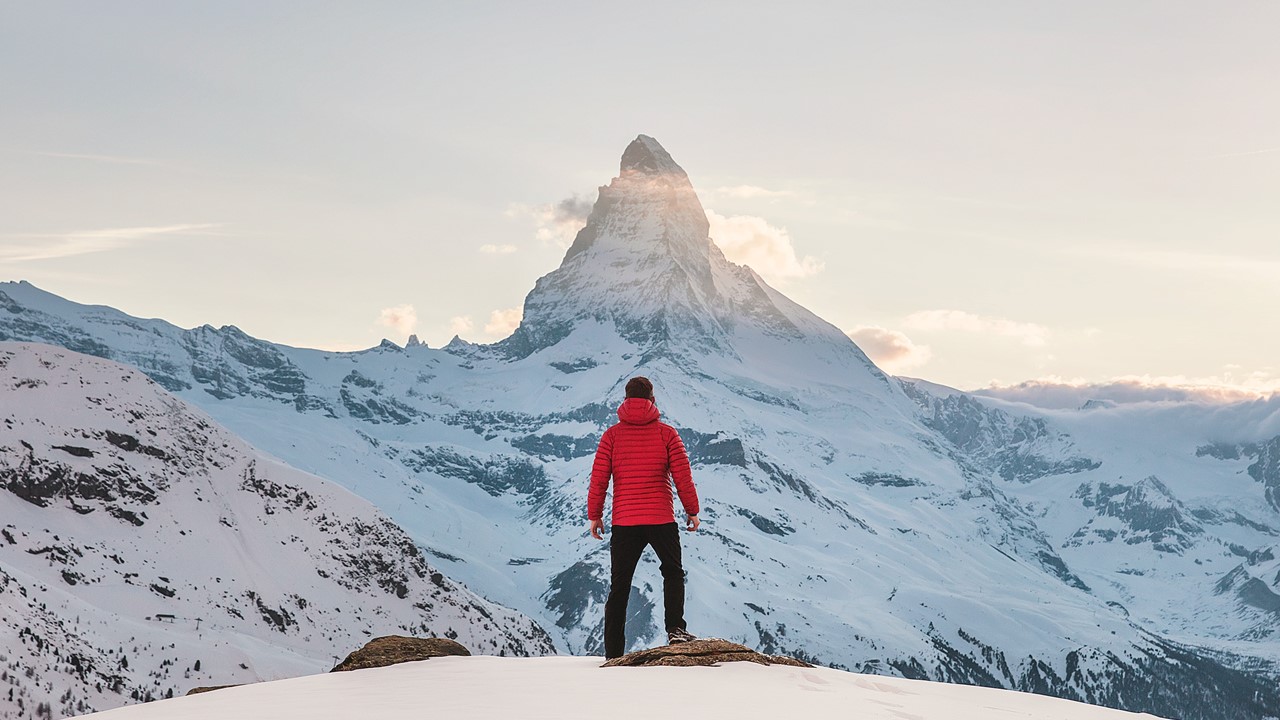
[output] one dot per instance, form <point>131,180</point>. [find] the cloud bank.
<point>1061,393</point>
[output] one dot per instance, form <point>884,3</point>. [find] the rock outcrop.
<point>395,649</point>
<point>711,651</point>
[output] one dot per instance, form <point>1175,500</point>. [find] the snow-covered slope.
<point>1178,524</point>
<point>851,518</point>
<point>557,687</point>
<point>145,550</point>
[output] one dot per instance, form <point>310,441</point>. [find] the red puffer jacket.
<point>643,456</point>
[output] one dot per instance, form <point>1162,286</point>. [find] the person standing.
<point>643,457</point>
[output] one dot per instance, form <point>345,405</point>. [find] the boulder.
<point>395,649</point>
<point>709,651</point>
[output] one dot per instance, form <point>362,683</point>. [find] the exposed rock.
<point>210,688</point>
<point>711,651</point>
<point>395,649</point>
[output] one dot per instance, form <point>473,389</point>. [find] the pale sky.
<point>981,192</point>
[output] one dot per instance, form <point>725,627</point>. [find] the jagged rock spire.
<point>646,155</point>
<point>650,208</point>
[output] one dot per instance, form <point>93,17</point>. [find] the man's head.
<point>640,387</point>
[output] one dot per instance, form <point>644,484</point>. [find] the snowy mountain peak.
<point>650,208</point>
<point>644,267</point>
<point>646,155</point>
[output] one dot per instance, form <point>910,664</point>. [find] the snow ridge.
<point>145,550</point>
<point>540,687</point>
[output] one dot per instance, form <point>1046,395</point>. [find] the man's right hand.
<point>597,526</point>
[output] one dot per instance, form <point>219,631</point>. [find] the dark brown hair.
<point>639,387</point>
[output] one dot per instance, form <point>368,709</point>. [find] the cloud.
<point>750,192</point>
<point>890,349</point>
<point>504,322</point>
<point>110,159</point>
<point>752,241</point>
<point>461,325</point>
<point>59,245</point>
<point>1055,392</point>
<point>498,249</point>
<point>1196,263</point>
<point>1030,334</point>
<point>557,223</point>
<point>1263,151</point>
<point>402,318</point>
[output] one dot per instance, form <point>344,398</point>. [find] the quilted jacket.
<point>644,458</point>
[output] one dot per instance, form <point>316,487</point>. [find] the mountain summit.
<point>645,265</point>
<point>646,155</point>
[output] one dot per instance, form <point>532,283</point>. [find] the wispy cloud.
<point>556,223</point>
<point>750,192</point>
<point>491,249</point>
<point>767,249</point>
<point>1263,151</point>
<point>88,157</point>
<point>1186,261</point>
<point>48,246</point>
<point>1030,334</point>
<point>111,159</point>
<point>401,318</point>
<point>892,350</point>
<point>461,325</point>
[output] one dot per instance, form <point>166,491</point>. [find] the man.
<point>643,456</point>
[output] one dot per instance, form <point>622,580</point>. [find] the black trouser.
<point>626,544</point>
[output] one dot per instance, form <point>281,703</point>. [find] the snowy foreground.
<point>558,687</point>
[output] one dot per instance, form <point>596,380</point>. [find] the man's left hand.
<point>692,525</point>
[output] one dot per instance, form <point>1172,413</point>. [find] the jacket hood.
<point>638,411</point>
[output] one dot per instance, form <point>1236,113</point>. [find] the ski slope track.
<point>1123,556</point>
<point>145,550</point>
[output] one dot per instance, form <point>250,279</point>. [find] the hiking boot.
<point>679,635</point>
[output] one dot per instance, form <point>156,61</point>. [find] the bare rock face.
<point>209,688</point>
<point>710,651</point>
<point>395,649</point>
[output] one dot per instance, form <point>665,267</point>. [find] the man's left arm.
<point>682,475</point>
<point>601,471</point>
